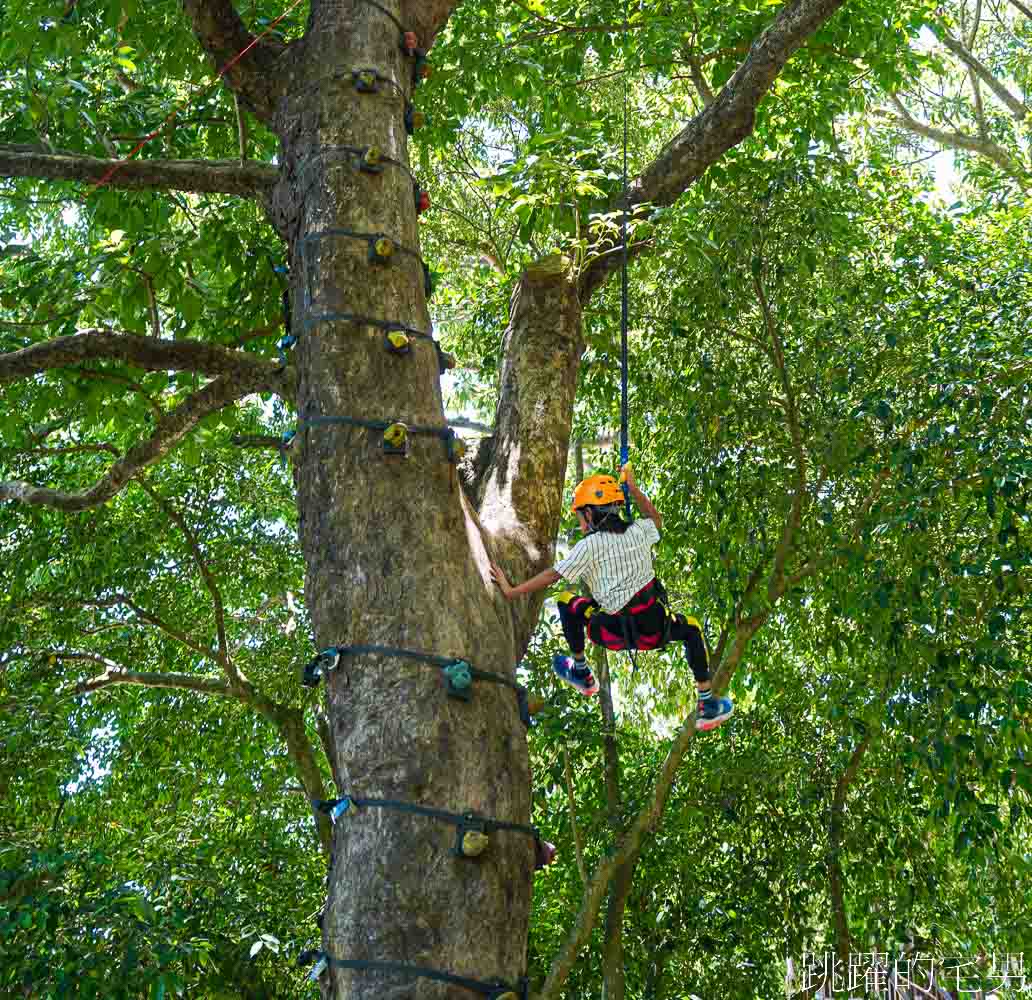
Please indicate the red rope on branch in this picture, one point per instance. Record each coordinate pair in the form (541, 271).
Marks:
(193, 98)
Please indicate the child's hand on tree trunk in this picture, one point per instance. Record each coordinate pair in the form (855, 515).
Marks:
(503, 583)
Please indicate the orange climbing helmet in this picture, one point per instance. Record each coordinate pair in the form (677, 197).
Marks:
(597, 491)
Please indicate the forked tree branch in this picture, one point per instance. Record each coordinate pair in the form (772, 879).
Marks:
(960, 140)
(1017, 107)
(114, 674)
(257, 76)
(722, 124)
(249, 180)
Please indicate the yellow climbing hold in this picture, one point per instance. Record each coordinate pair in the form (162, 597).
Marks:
(395, 438)
(474, 843)
(398, 340)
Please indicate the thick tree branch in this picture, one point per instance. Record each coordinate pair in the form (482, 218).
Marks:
(249, 180)
(518, 492)
(722, 124)
(1016, 106)
(169, 432)
(147, 353)
(257, 76)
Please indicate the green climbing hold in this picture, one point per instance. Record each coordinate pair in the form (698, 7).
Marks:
(459, 678)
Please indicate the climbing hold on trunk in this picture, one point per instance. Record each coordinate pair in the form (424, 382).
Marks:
(474, 843)
(413, 119)
(398, 342)
(381, 250)
(459, 679)
(372, 161)
(544, 853)
(395, 440)
(366, 81)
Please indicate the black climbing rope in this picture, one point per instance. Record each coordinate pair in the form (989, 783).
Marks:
(624, 436)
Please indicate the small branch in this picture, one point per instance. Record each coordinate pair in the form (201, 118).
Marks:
(115, 673)
(241, 117)
(1018, 5)
(571, 798)
(836, 880)
(699, 81)
(196, 176)
(961, 140)
(152, 305)
(206, 575)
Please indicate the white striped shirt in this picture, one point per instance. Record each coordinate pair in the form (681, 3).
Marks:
(615, 567)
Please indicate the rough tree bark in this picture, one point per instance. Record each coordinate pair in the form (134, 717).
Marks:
(395, 553)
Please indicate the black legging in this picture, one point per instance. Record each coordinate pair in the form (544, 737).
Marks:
(582, 615)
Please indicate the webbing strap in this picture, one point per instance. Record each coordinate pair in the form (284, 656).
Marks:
(469, 819)
(431, 658)
(352, 234)
(445, 433)
(353, 151)
(495, 989)
(381, 324)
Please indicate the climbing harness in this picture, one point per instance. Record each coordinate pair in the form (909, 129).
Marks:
(471, 830)
(495, 990)
(458, 674)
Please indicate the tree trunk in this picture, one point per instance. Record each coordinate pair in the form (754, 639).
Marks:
(394, 551)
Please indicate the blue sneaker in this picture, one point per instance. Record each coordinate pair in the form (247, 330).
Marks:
(712, 712)
(563, 668)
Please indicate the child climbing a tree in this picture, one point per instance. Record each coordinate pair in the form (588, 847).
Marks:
(626, 608)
